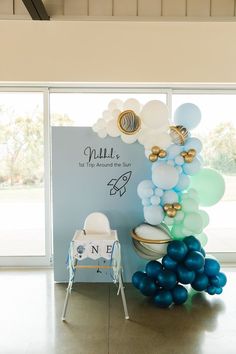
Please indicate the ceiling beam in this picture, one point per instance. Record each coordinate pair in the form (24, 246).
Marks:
(36, 10)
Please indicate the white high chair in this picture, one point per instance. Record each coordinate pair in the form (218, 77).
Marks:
(96, 240)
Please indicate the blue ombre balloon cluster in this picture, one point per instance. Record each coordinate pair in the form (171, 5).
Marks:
(185, 263)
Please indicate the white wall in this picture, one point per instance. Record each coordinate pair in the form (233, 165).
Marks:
(91, 51)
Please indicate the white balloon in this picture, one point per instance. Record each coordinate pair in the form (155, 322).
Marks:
(115, 113)
(115, 104)
(165, 176)
(155, 138)
(102, 133)
(155, 115)
(145, 189)
(205, 217)
(169, 221)
(129, 139)
(106, 115)
(155, 200)
(133, 104)
(112, 128)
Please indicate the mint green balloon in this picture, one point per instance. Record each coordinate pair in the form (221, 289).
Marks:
(193, 222)
(177, 232)
(210, 186)
(202, 238)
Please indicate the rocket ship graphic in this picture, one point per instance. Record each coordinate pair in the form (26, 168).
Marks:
(118, 185)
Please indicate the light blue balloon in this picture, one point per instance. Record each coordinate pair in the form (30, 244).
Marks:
(145, 189)
(155, 200)
(146, 201)
(184, 182)
(192, 168)
(188, 115)
(159, 192)
(153, 214)
(193, 143)
(173, 151)
(169, 197)
(179, 160)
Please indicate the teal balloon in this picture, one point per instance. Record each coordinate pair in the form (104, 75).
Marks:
(215, 281)
(153, 268)
(210, 186)
(169, 263)
(167, 279)
(211, 290)
(137, 277)
(184, 275)
(219, 291)
(194, 260)
(200, 282)
(192, 243)
(211, 267)
(163, 298)
(223, 279)
(179, 294)
(148, 286)
(188, 115)
(177, 250)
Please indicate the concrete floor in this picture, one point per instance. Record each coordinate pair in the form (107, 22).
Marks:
(30, 322)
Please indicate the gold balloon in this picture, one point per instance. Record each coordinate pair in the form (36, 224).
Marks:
(153, 157)
(192, 152)
(156, 150)
(177, 206)
(167, 206)
(184, 153)
(171, 212)
(188, 158)
(162, 154)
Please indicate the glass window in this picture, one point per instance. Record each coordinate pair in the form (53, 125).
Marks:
(22, 227)
(217, 131)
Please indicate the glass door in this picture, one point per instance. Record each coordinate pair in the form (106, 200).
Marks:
(22, 177)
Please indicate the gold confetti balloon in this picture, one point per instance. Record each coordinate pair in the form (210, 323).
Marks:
(156, 150)
(171, 212)
(153, 157)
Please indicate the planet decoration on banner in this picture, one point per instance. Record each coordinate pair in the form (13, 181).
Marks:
(184, 264)
(171, 198)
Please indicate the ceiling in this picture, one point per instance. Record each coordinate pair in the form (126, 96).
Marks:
(197, 10)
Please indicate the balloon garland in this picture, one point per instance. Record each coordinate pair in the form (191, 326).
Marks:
(171, 199)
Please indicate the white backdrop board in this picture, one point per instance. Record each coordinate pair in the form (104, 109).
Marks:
(92, 174)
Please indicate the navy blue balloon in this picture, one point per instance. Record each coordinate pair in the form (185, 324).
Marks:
(200, 282)
(194, 260)
(163, 298)
(179, 294)
(148, 286)
(211, 267)
(169, 263)
(215, 281)
(184, 275)
(211, 290)
(203, 252)
(192, 243)
(222, 278)
(177, 250)
(167, 279)
(219, 290)
(153, 268)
